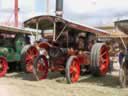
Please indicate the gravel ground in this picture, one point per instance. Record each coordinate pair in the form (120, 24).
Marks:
(21, 84)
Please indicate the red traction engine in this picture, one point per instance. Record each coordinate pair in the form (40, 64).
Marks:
(73, 49)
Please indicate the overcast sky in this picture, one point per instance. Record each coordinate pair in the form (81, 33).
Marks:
(90, 12)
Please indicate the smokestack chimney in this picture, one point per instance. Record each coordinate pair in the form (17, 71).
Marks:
(59, 8)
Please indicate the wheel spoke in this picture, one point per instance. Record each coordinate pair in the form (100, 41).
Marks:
(41, 68)
(102, 54)
(29, 62)
(74, 76)
(99, 59)
(102, 67)
(103, 60)
(71, 70)
(28, 57)
(31, 53)
(74, 71)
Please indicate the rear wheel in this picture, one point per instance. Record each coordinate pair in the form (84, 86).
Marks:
(3, 66)
(99, 59)
(28, 54)
(123, 73)
(72, 69)
(40, 69)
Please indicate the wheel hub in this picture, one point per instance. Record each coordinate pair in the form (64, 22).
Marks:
(40, 68)
(74, 69)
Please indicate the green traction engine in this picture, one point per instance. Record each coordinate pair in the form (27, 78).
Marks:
(11, 43)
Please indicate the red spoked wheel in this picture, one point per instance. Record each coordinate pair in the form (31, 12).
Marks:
(28, 54)
(103, 60)
(40, 69)
(72, 69)
(99, 59)
(3, 66)
(31, 54)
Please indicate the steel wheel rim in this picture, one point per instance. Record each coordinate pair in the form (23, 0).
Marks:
(104, 60)
(3, 66)
(42, 68)
(74, 70)
(123, 76)
(30, 55)
(2, 63)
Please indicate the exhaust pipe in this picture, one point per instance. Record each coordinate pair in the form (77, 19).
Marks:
(59, 8)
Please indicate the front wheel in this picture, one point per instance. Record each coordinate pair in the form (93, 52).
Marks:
(40, 67)
(28, 54)
(72, 69)
(3, 66)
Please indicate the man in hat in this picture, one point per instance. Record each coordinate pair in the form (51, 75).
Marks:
(43, 39)
(80, 43)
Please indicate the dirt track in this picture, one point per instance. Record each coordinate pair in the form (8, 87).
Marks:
(20, 84)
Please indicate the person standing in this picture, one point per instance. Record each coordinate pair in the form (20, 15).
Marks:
(43, 39)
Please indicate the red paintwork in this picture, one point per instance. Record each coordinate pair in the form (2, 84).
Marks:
(56, 68)
(104, 60)
(44, 45)
(4, 66)
(75, 70)
(30, 55)
(84, 58)
(58, 64)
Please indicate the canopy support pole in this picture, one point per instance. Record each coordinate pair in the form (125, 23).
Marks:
(54, 32)
(122, 40)
(37, 26)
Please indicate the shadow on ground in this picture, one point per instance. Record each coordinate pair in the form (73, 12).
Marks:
(21, 75)
(31, 77)
(108, 80)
